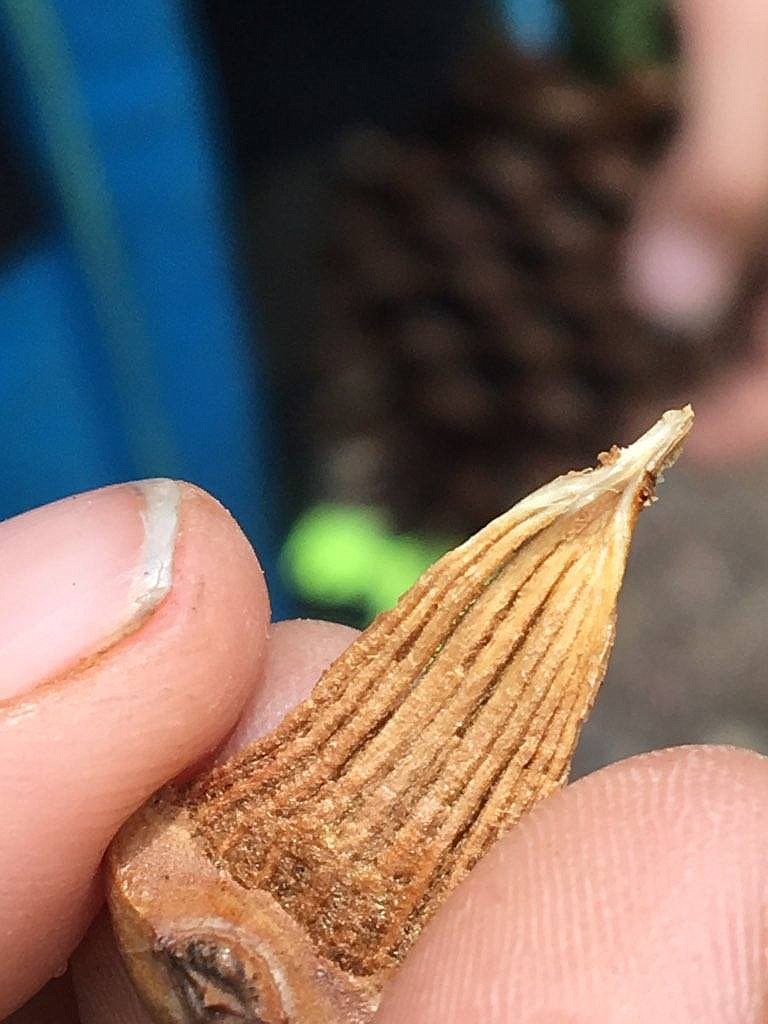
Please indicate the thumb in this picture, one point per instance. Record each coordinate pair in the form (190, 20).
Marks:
(706, 209)
(132, 621)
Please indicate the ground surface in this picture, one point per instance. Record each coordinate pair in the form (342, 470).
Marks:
(690, 663)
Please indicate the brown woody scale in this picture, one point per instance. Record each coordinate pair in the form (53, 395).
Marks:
(474, 336)
(284, 886)
(360, 843)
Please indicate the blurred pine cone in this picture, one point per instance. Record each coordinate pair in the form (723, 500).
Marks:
(475, 339)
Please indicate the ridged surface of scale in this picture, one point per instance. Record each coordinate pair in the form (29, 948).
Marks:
(285, 885)
(450, 717)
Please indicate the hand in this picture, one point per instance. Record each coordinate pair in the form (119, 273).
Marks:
(707, 211)
(638, 894)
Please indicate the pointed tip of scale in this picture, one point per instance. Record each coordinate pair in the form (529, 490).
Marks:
(634, 470)
(659, 447)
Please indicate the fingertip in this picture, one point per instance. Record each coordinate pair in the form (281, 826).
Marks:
(688, 246)
(298, 651)
(640, 887)
(211, 534)
(702, 221)
(81, 749)
(679, 274)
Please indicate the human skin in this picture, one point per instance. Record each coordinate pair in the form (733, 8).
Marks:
(637, 894)
(706, 213)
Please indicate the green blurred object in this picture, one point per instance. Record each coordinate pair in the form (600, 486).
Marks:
(404, 559)
(329, 552)
(339, 555)
(608, 37)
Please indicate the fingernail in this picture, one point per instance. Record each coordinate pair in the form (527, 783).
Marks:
(80, 573)
(681, 277)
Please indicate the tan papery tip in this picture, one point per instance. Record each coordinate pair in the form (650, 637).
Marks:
(660, 446)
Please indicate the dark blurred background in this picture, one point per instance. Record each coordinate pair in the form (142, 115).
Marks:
(355, 269)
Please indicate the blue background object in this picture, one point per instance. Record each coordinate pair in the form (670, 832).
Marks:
(537, 25)
(126, 350)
